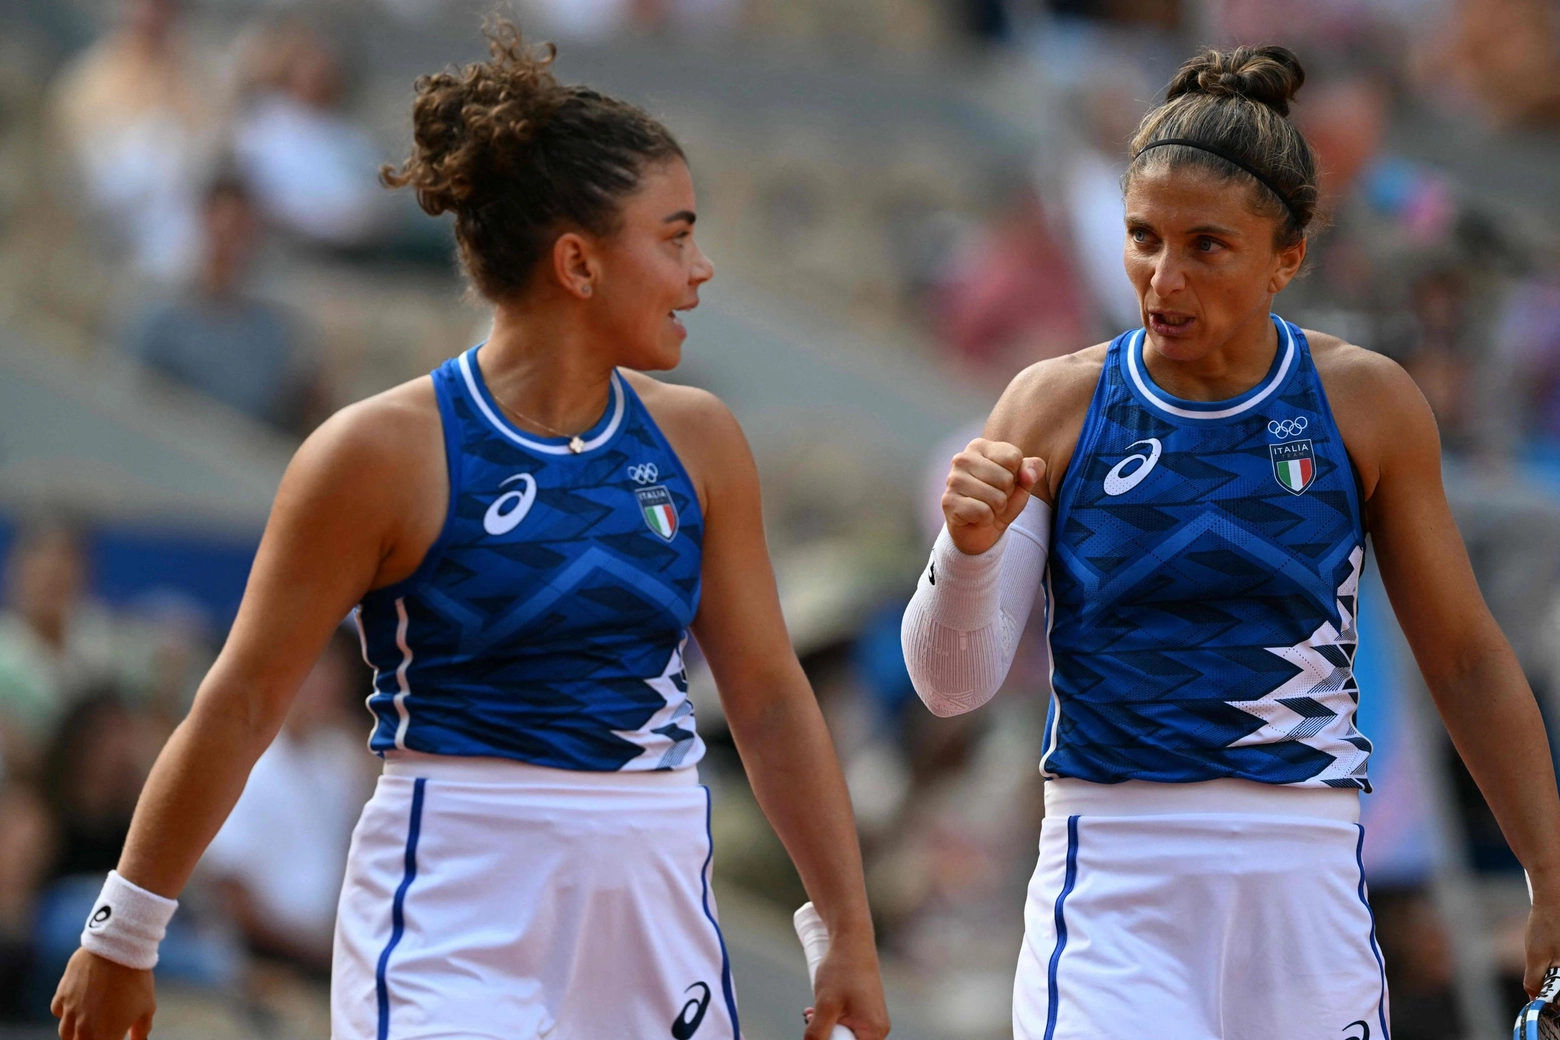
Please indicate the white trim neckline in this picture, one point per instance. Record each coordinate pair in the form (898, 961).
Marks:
(618, 407)
(1134, 346)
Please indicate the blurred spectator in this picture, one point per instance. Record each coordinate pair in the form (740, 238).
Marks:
(1345, 120)
(1503, 55)
(26, 848)
(312, 168)
(1418, 953)
(217, 338)
(279, 858)
(1106, 114)
(1010, 297)
(137, 119)
(1529, 336)
(1410, 268)
(1316, 26)
(92, 775)
(53, 641)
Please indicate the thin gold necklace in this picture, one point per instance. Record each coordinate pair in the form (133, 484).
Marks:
(576, 444)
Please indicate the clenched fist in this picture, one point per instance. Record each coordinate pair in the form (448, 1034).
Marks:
(988, 486)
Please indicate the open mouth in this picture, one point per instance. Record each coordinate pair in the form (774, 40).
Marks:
(674, 315)
(1169, 323)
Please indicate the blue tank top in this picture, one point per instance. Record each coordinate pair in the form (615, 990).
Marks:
(547, 621)
(1205, 559)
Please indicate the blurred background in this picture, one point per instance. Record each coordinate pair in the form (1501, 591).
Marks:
(906, 202)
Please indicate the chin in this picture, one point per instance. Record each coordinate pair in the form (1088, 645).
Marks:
(662, 357)
(1177, 349)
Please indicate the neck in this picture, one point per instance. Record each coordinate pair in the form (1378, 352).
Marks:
(543, 362)
(1234, 365)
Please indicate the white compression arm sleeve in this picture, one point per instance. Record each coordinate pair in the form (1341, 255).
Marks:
(962, 625)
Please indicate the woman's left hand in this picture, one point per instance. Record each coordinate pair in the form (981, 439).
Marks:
(849, 992)
(1543, 937)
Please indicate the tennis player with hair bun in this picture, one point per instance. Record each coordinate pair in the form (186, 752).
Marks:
(527, 535)
(1195, 497)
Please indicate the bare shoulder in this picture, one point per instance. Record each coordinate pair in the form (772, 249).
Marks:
(384, 453)
(1045, 394)
(1358, 378)
(1043, 408)
(379, 464)
(383, 429)
(701, 430)
(1355, 369)
(682, 407)
(1377, 405)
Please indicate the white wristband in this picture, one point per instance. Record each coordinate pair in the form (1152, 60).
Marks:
(127, 923)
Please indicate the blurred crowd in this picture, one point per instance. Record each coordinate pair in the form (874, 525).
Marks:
(1424, 259)
(88, 695)
(200, 203)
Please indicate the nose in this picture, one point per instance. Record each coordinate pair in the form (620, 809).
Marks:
(703, 269)
(1168, 276)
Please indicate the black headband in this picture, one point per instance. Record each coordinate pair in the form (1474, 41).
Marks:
(1228, 157)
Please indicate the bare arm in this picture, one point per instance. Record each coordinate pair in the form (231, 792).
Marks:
(332, 529)
(317, 558)
(1473, 675)
(779, 730)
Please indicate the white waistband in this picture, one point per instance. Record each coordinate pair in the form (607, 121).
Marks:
(1070, 797)
(485, 770)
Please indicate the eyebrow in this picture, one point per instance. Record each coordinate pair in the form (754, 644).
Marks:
(683, 214)
(1201, 229)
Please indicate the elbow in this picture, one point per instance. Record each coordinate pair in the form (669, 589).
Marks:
(948, 677)
(946, 707)
(942, 697)
(243, 718)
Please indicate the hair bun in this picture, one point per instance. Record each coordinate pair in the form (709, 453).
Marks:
(472, 126)
(1270, 76)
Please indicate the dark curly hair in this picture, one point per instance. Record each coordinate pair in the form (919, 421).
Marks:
(1237, 102)
(519, 157)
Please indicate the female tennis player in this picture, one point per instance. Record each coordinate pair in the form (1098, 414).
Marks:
(527, 536)
(1203, 487)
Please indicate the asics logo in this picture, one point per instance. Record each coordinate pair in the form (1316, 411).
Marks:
(1288, 427)
(692, 1012)
(508, 509)
(1361, 1024)
(101, 917)
(1117, 483)
(644, 473)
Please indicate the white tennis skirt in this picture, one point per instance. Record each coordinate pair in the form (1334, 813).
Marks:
(1225, 910)
(493, 900)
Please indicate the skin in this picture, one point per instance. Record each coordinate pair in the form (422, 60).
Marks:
(1206, 267)
(366, 496)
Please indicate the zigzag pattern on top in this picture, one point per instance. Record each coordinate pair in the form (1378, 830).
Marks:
(1203, 618)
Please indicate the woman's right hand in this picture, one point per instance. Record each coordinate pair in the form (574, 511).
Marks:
(98, 999)
(988, 486)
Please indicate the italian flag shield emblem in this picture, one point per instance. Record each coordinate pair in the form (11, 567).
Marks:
(660, 514)
(1294, 465)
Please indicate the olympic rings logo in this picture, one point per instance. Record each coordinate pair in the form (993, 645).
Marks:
(645, 473)
(1288, 427)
